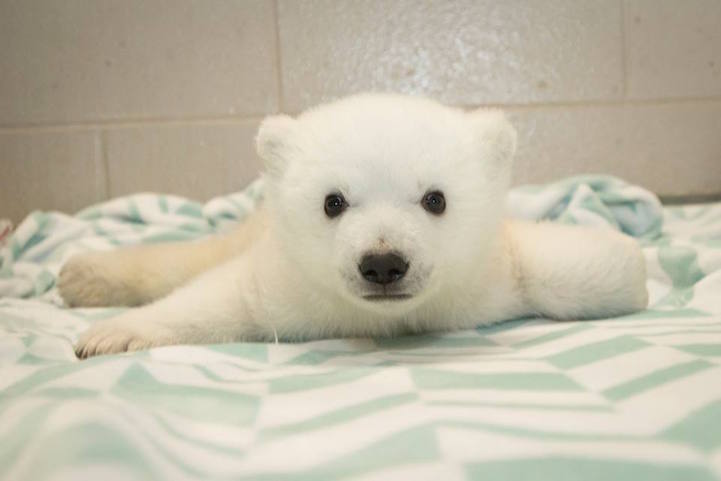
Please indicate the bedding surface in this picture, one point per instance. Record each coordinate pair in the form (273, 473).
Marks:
(636, 397)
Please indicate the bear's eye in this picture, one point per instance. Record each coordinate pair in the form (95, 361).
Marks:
(334, 205)
(434, 202)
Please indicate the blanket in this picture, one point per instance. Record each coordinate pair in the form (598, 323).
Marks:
(636, 397)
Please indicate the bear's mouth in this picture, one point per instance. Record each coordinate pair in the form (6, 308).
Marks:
(386, 297)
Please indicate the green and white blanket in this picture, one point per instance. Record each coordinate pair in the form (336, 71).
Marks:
(637, 397)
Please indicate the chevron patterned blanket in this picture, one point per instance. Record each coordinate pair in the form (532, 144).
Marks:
(631, 398)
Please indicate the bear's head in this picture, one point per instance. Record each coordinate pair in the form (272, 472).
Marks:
(386, 199)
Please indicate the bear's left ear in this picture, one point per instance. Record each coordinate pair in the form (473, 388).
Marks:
(274, 142)
(496, 136)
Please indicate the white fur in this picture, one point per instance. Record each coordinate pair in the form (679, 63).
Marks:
(292, 272)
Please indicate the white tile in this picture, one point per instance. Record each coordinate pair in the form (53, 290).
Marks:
(673, 149)
(463, 52)
(77, 60)
(194, 160)
(49, 171)
(673, 48)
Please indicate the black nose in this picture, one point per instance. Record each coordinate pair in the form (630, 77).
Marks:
(383, 268)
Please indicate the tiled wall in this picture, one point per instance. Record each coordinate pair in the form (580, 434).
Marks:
(99, 98)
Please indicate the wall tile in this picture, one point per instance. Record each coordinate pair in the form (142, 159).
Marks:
(49, 171)
(194, 160)
(673, 149)
(674, 48)
(78, 60)
(467, 52)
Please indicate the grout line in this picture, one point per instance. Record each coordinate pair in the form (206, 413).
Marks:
(106, 161)
(101, 175)
(278, 58)
(599, 103)
(226, 119)
(127, 123)
(624, 52)
(689, 199)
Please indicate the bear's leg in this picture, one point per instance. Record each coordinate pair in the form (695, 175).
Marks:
(573, 272)
(213, 308)
(134, 276)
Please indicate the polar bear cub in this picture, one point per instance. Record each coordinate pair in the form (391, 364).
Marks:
(382, 215)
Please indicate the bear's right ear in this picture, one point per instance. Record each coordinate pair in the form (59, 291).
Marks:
(274, 140)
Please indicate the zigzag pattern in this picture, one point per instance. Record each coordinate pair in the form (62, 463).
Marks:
(631, 398)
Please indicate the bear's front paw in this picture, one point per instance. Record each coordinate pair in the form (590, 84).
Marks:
(116, 335)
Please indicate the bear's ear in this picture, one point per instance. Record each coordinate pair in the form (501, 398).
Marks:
(274, 142)
(497, 138)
